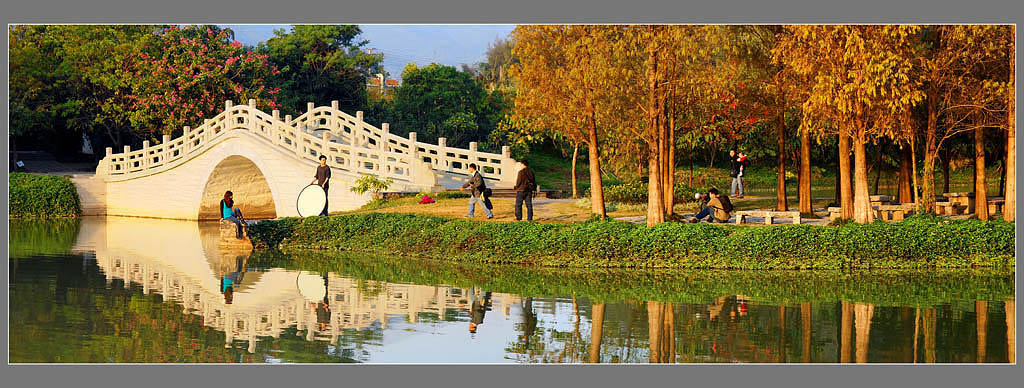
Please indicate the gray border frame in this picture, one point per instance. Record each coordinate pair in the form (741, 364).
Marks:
(519, 11)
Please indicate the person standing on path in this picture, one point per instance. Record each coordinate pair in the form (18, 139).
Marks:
(739, 164)
(526, 185)
(476, 186)
(321, 178)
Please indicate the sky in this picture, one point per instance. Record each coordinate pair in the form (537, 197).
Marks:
(423, 44)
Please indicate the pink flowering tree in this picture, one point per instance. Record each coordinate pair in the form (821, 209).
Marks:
(183, 75)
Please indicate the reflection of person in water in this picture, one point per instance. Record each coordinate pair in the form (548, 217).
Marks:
(479, 308)
(529, 324)
(231, 280)
(323, 309)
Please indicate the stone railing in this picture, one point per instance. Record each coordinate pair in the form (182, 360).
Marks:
(351, 145)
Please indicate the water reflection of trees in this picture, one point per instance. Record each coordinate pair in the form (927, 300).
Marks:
(845, 332)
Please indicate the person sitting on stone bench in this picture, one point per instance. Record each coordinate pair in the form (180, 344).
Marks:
(718, 208)
(231, 213)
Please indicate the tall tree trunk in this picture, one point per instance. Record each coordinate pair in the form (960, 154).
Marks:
(845, 189)
(863, 313)
(780, 180)
(670, 170)
(575, 152)
(806, 199)
(981, 314)
(930, 152)
(805, 329)
(655, 200)
(656, 146)
(913, 169)
(714, 150)
(1011, 330)
(947, 168)
(903, 186)
(1002, 176)
(980, 193)
(846, 328)
(596, 188)
(1009, 207)
(878, 167)
(596, 325)
(690, 179)
(862, 211)
(839, 183)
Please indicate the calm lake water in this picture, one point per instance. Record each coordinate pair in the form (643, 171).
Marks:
(139, 290)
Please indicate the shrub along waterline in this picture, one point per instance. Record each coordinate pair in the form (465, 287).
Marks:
(918, 242)
(882, 287)
(34, 195)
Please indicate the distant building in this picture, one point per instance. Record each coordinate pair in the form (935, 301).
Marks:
(380, 85)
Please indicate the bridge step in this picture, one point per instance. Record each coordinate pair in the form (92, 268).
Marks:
(92, 192)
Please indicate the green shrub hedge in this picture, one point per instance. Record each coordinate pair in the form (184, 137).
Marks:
(636, 192)
(917, 242)
(34, 195)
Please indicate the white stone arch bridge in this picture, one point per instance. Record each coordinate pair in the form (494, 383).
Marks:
(266, 160)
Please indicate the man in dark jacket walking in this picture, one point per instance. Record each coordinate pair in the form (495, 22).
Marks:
(526, 184)
(477, 187)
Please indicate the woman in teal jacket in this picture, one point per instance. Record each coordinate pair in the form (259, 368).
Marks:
(231, 213)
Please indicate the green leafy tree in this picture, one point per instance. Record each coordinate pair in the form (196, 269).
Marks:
(96, 75)
(434, 98)
(32, 79)
(321, 63)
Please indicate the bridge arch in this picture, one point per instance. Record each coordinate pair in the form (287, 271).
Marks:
(246, 181)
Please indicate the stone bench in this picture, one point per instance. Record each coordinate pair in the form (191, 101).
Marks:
(996, 205)
(882, 212)
(768, 215)
(834, 212)
(894, 212)
(228, 240)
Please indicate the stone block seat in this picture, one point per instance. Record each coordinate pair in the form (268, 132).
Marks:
(767, 215)
(894, 212)
(995, 205)
(228, 239)
(885, 212)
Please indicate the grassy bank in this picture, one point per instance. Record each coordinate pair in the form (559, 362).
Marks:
(918, 242)
(42, 196)
(882, 287)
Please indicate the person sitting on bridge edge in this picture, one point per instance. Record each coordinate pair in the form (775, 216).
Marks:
(321, 178)
(526, 186)
(477, 187)
(231, 213)
(718, 208)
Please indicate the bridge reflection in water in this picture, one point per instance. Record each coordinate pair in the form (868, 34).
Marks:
(274, 309)
(186, 265)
